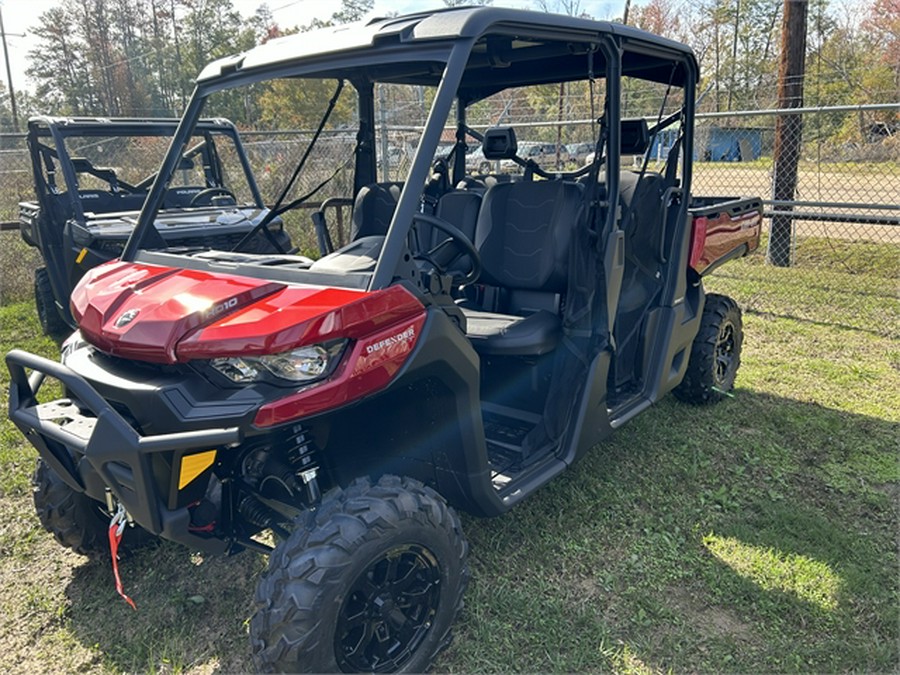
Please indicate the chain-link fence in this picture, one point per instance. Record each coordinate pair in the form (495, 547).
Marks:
(833, 239)
(836, 241)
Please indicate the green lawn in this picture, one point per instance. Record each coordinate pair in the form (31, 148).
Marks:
(758, 535)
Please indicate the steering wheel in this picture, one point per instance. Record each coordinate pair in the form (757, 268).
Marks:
(459, 247)
(208, 194)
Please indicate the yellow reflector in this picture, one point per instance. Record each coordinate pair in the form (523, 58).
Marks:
(193, 465)
(81, 255)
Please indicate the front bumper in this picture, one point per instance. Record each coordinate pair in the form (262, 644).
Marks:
(82, 436)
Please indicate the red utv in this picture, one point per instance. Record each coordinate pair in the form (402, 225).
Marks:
(475, 337)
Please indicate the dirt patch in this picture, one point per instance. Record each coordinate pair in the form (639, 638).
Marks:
(814, 186)
(710, 621)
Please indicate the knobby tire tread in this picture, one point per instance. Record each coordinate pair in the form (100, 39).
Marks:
(74, 519)
(287, 624)
(697, 385)
(48, 315)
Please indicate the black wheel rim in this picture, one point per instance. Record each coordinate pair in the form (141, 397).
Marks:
(725, 346)
(388, 611)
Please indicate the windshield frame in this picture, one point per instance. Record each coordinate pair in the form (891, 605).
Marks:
(327, 66)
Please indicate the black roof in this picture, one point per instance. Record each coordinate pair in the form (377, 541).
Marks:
(523, 48)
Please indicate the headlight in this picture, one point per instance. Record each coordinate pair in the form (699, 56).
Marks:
(304, 364)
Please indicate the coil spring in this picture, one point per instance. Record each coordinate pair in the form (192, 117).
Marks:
(300, 450)
(301, 456)
(254, 512)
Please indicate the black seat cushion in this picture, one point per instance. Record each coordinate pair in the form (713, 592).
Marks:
(459, 208)
(506, 335)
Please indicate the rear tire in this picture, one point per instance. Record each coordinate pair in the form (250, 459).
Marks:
(372, 581)
(51, 322)
(715, 353)
(76, 521)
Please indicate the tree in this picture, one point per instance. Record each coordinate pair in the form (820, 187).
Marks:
(6, 121)
(352, 10)
(58, 64)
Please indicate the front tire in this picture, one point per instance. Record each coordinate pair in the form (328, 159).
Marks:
(371, 583)
(49, 317)
(715, 353)
(76, 521)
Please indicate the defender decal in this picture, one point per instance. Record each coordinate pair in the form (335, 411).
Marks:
(409, 335)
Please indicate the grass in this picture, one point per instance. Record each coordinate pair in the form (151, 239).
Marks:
(837, 282)
(758, 535)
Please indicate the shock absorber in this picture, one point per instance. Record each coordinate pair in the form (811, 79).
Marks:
(300, 454)
(253, 511)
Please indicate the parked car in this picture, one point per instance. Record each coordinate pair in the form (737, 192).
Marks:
(476, 162)
(459, 353)
(543, 154)
(578, 152)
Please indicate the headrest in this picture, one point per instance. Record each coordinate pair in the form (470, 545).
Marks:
(634, 137)
(499, 143)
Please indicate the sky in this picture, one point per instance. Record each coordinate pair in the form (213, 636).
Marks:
(20, 15)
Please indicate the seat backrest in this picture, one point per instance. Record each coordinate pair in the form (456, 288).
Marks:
(523, 234)
(374, 208)
(459, 208)
(641, 204)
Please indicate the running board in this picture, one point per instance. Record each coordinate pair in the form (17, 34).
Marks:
(625, 411)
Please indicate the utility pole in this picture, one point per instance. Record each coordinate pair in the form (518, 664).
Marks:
(734, 49)
(178, 82)
(12, 92)
(788, 128)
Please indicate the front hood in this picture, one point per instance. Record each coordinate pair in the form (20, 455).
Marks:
(171, 315)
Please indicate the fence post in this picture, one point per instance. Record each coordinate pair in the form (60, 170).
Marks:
(788, 128)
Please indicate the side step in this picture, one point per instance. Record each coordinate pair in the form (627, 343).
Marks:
(505, 430)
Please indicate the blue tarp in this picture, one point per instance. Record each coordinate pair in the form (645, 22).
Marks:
(714, 145)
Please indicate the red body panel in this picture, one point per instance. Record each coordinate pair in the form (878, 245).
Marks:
(713, 238)
(180, 315)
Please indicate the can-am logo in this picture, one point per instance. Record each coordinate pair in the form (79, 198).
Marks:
(406, 336)
(126, 317)
(221, 307)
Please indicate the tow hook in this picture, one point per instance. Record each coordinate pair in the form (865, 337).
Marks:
(117, 523)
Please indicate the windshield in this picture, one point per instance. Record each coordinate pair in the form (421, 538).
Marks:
(302, 147)
(98, 162)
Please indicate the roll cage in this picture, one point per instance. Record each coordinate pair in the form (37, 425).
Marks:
(467, 55)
